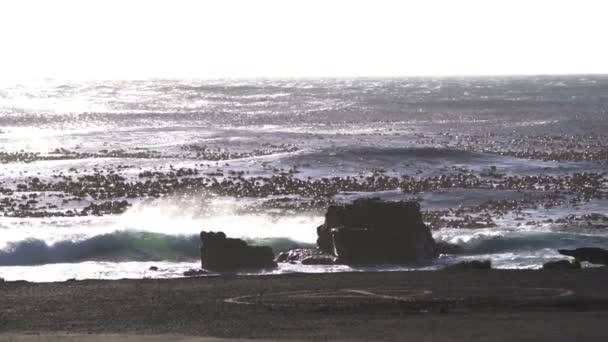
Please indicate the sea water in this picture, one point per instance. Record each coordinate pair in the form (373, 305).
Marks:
(307, 129)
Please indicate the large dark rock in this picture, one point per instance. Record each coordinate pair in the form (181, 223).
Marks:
(219, 253)
(374, 231)
(593, 255)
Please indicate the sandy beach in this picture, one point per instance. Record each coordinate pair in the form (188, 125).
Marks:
(494, 305)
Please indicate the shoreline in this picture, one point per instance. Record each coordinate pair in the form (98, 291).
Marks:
(456, 305)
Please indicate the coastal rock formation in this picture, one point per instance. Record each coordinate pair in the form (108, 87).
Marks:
(219, 253)
(562, 265)
(593, 255)
(374, 231)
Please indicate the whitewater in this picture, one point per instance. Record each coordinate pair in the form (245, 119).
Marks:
(105, 179)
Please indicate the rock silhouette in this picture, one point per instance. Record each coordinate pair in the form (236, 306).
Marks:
(219, 253)
(371, 231)
(593, 255)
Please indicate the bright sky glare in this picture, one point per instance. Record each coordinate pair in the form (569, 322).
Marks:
(105, 39)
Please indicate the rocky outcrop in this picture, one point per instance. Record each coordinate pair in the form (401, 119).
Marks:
(593, 255)
(562, 265)
(374, 231)
(219, 253)
(470, 265)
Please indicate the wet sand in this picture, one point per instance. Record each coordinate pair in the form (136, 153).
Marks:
(490, 305)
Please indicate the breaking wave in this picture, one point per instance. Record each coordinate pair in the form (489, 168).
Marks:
(118, 246)
(525, 241)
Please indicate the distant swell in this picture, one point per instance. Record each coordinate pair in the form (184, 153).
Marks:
(117, 246)
(389, 154)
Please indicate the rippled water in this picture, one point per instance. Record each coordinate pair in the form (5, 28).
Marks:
(419, 127)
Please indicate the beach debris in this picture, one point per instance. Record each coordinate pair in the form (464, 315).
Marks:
(219, 253)
(374, 231)
(593, 255)
(470, 265)
(306, 256)
(562, 265)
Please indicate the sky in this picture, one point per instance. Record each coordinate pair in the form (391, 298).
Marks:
(133, 39)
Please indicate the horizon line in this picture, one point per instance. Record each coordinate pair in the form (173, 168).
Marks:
(446, 76)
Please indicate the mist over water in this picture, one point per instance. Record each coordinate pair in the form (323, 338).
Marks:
(306, 129)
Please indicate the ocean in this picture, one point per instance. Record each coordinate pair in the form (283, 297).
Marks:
(104, 179)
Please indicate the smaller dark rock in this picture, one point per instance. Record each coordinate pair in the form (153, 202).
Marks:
(471, 265)
(562, 265)
(153, 268)
(195, 272)
(219, 253)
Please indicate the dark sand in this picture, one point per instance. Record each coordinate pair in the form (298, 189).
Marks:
(423, 306)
